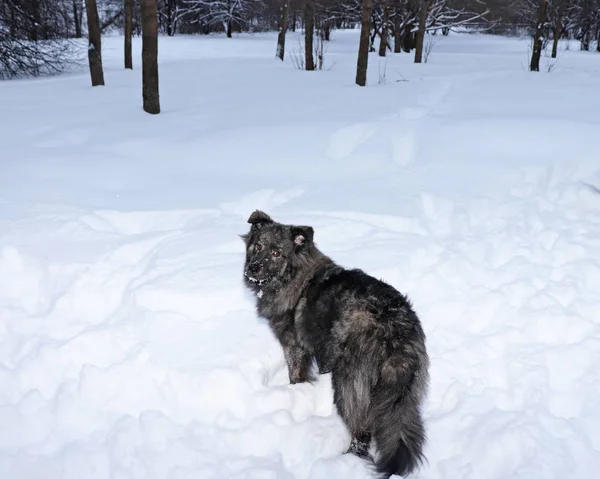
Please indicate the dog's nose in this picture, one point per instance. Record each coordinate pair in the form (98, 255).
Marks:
(254, 267)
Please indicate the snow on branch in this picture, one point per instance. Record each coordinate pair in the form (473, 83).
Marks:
(443, 15)
(219, 11)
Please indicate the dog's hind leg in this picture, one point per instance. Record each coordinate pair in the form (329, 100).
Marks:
(360, 445)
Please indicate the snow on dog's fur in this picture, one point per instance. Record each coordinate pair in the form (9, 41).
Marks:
(357, 327)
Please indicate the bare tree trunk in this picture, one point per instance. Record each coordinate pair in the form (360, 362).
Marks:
(397, 35)
(229, 28)
(77, 18)
(283, 24)
(537, 39)
(585, 41)
(374, 32)
(94, 43)
(363, 46)
(598, 40)
(557, 34)
(34, 13)
(128, 33)
(171, 17)
(408, 40)
(423, 12)
(385, 31)
(309, 32)
(150, 56)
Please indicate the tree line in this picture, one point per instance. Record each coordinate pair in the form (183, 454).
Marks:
(35, 34)
(50, 19)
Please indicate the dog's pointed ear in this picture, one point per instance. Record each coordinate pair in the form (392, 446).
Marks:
(302, 235)
(258, 219)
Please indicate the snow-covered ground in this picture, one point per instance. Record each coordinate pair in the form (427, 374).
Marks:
(128, 346)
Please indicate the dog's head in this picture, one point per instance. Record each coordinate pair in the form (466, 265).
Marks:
(274, 251)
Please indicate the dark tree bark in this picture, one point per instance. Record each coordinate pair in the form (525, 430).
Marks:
(309, 32)
(586, 23)
(150, 56)
(327, 31)
(229, 28)
(408, 41)
(397, 35)
(94, 43)
(534, 66)
(128, 33)
(423, 12)
(383, 44)
(585, 42)
(77, 18)
(374, 32)
(33, 8)
(171, 8)
(363, 46)
(283, 21)
(598, 40)
(557, 34)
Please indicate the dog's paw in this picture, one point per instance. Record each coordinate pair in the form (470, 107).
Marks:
(360, 448)
(360, 453)
(305, 377)
(298, 380)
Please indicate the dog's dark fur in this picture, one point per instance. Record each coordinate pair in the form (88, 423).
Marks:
(358, 328)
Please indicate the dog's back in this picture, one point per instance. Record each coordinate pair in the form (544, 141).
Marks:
(359, 328)
(366, 333)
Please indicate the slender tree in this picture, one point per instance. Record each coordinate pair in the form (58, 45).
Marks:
(94, 43)
(150, 56)
(538, 37)
(363, 46)
(283, 24)
(385, 30)
(585, 18)
(229, 21)
(309, 33)
(423, 12)
(78, 17)
(128, 33)
(169, 14)
(557, 34)
(397, 36)
(401, 27)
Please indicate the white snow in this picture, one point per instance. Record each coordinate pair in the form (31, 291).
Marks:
(130, 349)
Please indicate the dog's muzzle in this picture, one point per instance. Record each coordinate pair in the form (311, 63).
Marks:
(254, 268)
(253, 272)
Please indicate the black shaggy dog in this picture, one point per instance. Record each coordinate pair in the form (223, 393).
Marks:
(358, 328)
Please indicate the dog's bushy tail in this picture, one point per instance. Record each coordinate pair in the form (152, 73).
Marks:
(398, 427)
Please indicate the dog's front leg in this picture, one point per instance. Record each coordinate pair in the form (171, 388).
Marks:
(298, 360)
(297, 357)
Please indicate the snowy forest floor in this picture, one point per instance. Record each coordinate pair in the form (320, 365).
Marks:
(128, 346)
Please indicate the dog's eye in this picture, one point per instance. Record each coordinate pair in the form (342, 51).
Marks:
(276, 253)
(257, 247)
